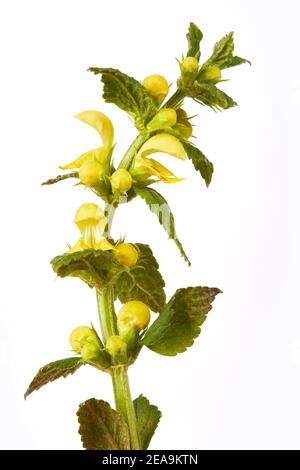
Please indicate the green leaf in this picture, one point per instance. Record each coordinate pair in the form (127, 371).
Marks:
(194, 37)
(159, 206)
(179, 323)
(54, 371)
(59, 178)
(200, 162)
(95, 267)
(101, 427)
(209, 95)
(148, 417)
(128, 94)
(142, 282)
(222, 55)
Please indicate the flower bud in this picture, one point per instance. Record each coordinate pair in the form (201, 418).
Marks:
(134, 315)
(183, 125)
(81, 336)
(117, 348)
(166, 117)
(90, 352)
(211, 74)
(126, 254)
(121, 180)
(90, 173)
(189, 69)
(157, 87)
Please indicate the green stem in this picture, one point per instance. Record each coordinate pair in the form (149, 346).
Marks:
(106, 312)
(175, 99)
(133, 149)
(124, 403)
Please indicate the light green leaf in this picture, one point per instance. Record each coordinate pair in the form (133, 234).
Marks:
(222, 55)
(194, 37)
(209, 95)
(128, 94)
(148, 417)
(54, 371)
(159, 206)
(200, 162)
(179, 323)
(142, 282)
(101, 427)
(95, 267)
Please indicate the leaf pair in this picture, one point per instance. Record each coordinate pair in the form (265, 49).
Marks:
(100, 269)
(102, 428)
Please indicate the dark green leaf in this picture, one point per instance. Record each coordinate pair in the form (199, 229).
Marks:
(194, 37)
(179, 323)
(59, 178)
(142, 282)
(200, 162)
(209, 95)
(53, 371)
(95, 267)
(222, 55)
(148, 417)
(101, 427)
(128, 94)
(159, 206)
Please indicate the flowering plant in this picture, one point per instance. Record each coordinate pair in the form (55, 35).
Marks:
(128, 271)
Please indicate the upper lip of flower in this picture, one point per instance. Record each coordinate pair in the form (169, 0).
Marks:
(104, 127)
(159, 143)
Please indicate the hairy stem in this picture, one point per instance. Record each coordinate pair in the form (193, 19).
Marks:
(133, 149)
(124, 403)
(108, 321)
(175, 100)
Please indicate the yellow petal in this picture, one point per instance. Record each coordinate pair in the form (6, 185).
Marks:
(154, 168)
(163, 143)
(101, 123)
(79, 246)
(98, 154)
(105, 245)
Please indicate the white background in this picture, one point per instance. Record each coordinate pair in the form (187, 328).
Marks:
(239, 386)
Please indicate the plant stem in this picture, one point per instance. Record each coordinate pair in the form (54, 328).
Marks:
(133, 149)
(124, 403)
(175, 99)
(106, 312)
(108, 322)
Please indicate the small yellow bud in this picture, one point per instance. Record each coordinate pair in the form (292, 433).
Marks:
(189, 65)
(189, 70)
(134, 314)
(90, 352)
(157, 87)
(211, 74)
(91, 222)
(126, 254)
(166, 117)
(82, 335)
(90, 173)
(183, 125)
(121, 180)
(117, 348)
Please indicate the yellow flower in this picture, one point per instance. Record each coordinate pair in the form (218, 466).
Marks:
(91, 221)
(145, 167)
(163, 143)
(83, 335)
(104, 127)
(134, 314)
